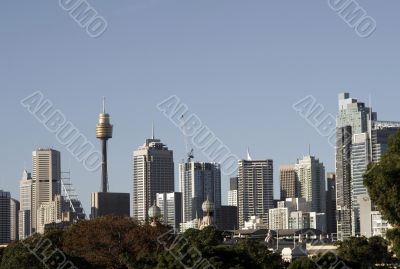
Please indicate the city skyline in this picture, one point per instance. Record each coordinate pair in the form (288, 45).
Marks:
(224, 183)
(249, 79)
(201, 134)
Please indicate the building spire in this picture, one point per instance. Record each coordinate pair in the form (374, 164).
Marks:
(248, 155)
(152, 130)
(104, 105)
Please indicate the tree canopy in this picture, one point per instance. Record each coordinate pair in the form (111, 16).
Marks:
(383, 182)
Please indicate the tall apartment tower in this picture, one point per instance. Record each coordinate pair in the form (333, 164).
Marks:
(5, 217)
(233, 192)
(153, 172)
(14, 209)
(197, 182)
(310, 173)
(331, 204)
(46, 176)
(255, 188)
(353, 119)
(26, 201)
(289, 184)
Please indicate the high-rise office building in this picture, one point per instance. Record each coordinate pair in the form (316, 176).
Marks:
(170, 205)
(255, 188)
(343, 182)
(25, 198)
(368, 141)
(233, 192)
(46, 176)
(331, 204)
(14, 209)
(5, 217)
(290, 187)
(153, 172)
(352, 119)
(360, 157)
(197, 182)
(310, 173)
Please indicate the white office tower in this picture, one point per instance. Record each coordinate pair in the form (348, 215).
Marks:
(46, 176)
(197, 182)
(255, 189)
(153, 172)
(25, 198)
(311, 176)
(170, 205)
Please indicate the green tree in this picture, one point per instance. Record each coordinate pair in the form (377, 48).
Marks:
(360, 252)
(207, 237)
(303, 263)
(113, 242)
(383, 182)
(17, 256)
(259, 252)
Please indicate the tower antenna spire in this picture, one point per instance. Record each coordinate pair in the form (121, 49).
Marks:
(104, 105)
(152, 130)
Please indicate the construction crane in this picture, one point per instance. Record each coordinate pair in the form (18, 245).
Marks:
(189, 149)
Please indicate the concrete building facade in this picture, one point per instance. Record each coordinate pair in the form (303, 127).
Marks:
(153, 172)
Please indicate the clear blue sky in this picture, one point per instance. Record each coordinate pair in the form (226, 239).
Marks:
(239, 65)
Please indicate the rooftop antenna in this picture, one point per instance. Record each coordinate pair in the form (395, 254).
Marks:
(104, 105)
(309, 149)
(152, 130)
